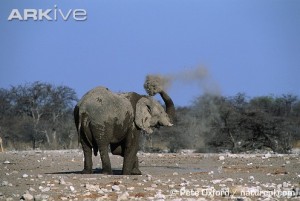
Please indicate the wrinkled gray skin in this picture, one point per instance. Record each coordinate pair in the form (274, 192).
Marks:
(105, 118)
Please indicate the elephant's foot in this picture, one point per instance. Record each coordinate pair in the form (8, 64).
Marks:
(108, 172)
(136, 171)
(85, 171)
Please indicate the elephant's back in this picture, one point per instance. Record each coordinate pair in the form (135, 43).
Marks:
(102, 104)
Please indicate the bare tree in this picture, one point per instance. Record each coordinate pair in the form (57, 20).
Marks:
(39, 109)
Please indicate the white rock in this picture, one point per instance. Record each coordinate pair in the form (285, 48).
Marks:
(228, 180)
(31, 189)
(25, 175)
(159, 197)
(72, 188)
(149, 189)
(251, 178)
(130, 188)
(221, 158)
(91, 187)
(149, 177)
(41, 197)
(123, 196)
(27, 196)
(115, 188)
(51, 185)
(6, 162)
(268, 155)
(4, 183)
(62, 181)
(216, 181)
(175, 173)
(46, 189)
(104, 190)
(87, 194)
(159, 181)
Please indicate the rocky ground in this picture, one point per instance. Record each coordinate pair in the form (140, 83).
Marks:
(55, 175)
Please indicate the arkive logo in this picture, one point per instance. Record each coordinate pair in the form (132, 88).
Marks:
(54, 14)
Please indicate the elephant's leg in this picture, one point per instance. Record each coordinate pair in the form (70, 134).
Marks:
(135, 170)
(106, 166)
(100, 136)
(117, 148)
(130, 158)
(87, 152)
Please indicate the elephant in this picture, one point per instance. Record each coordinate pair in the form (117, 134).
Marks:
(106, 119)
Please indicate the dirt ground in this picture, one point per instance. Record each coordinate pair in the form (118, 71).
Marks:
(55, 175)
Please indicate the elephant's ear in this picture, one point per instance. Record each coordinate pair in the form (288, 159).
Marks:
(142, 115)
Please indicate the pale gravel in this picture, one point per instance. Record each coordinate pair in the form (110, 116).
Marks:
(55, 175)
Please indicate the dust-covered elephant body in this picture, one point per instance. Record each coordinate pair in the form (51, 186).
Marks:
(104, 118)
(105, 110)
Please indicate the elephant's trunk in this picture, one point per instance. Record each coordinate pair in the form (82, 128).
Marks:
(170, 108)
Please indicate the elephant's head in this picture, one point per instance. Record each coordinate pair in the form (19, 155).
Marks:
(150, 114)
(156, 84)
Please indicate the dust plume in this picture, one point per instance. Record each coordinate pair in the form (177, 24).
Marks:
(200, 75)
(155, 84)
(196, 129)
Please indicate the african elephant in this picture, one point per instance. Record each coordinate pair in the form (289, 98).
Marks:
(105, 118)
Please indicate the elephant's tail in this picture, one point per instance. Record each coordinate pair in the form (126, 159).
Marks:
(82, 124)
(83, 128)
(85, 125)
(77, 121)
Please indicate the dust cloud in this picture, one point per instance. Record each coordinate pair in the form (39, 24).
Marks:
(195, 134)
(199, 76)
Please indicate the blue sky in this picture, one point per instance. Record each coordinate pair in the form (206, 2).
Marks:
(250, 46)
